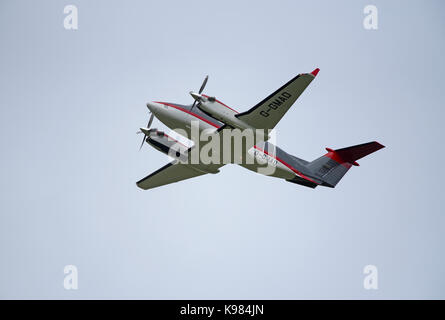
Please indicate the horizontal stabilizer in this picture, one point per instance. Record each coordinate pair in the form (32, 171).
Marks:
(352, 154)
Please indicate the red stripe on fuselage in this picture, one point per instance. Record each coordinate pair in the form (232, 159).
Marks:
(286, 164)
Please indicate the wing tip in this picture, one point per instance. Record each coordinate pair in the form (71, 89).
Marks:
(379, 145)
(140, 186)
(315, 72)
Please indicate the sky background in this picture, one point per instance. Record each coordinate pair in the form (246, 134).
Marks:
(71, 102)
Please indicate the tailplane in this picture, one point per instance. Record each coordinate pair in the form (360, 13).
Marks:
(332, 166)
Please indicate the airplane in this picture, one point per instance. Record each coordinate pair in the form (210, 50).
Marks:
(214, 116)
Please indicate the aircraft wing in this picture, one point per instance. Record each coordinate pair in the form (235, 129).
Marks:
(267, 113)
(175, 171)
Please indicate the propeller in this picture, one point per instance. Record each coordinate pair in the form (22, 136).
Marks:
(200, 90)
(148, 127)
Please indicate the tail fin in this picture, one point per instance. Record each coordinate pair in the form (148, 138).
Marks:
(332, 166)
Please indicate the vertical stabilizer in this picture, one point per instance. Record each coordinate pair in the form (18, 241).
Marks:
(332, 166)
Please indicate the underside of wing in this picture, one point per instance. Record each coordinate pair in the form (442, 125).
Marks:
(174, 172)
(267, 113)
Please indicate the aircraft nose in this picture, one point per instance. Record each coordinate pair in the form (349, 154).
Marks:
(154, 107)
(151, 106)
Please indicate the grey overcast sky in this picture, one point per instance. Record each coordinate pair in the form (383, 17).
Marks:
(72, 100)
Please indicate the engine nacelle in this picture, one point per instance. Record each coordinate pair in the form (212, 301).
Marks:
(225, 114)
(166, 144)
(220, 111)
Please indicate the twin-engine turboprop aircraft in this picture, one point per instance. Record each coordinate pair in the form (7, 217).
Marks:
(211, 115)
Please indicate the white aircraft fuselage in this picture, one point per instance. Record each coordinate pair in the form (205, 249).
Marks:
(180, 117)
(258, 154)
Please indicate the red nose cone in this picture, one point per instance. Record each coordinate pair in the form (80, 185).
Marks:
(315, 72)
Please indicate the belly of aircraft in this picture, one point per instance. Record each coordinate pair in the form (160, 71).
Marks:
(272, 172)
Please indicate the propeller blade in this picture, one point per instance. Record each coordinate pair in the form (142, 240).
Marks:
(203, 84)
(150, 121)
(200, 90)
(148, 127)
(142, 143)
